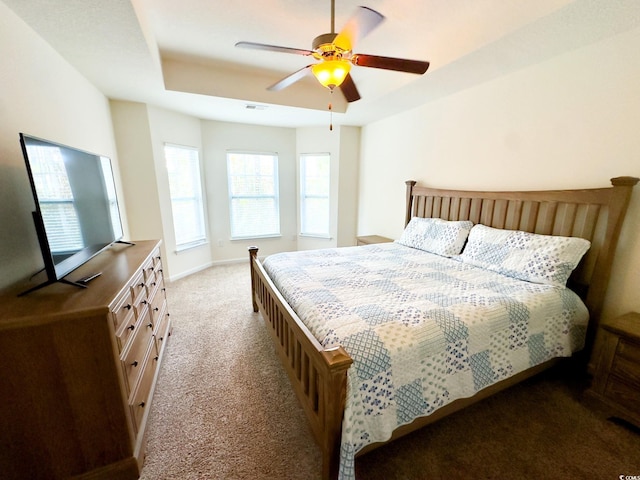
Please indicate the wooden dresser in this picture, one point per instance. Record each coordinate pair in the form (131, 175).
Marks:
(616, 381)
(78, 368)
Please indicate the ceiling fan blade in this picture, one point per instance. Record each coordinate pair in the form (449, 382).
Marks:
(357, 27)
(349, 89)
(290, 79)
(390, 63)
(273, 48)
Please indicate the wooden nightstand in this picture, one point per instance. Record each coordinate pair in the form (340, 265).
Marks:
(370, 239)
(616, 381)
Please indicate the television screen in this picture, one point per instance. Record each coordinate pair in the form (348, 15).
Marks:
(76, 212)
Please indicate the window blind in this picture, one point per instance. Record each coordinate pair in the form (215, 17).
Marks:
(253, 194)
(315, 184)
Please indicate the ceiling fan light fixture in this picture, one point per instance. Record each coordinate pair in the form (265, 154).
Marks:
(331, 73)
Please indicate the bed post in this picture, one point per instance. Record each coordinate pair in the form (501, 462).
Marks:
(407, 216)
(253, 253)
(335, 389)
(618, 203)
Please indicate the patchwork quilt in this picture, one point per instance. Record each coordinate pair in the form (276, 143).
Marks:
(423, 330)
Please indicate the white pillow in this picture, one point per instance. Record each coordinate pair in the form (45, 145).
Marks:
(442, 237)
(536, 258)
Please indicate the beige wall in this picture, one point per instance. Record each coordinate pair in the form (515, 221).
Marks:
(217, 139)
(347, 196)
(141, 132)
(570, 122)
(40, 94)
(343, 144)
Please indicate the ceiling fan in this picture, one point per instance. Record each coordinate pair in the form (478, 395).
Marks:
(335, 54)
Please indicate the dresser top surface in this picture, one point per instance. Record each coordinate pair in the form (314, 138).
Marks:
(627, 325)
(117, 264)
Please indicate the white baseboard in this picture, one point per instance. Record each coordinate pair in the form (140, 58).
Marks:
(199, 268)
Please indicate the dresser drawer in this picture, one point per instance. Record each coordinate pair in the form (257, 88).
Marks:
(127, 330)
(133, 357)
(627, 370)
(162, 329)
(138, 285)
(149, 271)
(139, 400)
(157, 303)
(123, 311)
(629, 350)
(625, 395)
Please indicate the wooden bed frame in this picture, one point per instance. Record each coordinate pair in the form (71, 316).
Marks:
(319, 375)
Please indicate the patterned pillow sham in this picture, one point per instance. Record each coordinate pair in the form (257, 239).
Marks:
(434, 235)
(527, 256)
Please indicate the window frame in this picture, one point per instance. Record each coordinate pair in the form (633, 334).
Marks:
(198, 198)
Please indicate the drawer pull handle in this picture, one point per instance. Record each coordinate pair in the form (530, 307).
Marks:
(141, 404)
(131, 327)
(150, 325)
(127, 306)
(141, 284)
(153, 284)
(144, 302)
(156, 309)
(135, 363)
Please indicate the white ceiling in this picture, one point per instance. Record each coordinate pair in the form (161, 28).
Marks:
(180, 54)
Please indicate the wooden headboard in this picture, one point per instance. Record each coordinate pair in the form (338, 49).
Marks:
(594, 214)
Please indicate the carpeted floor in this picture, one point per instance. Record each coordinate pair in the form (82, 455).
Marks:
(223, 409)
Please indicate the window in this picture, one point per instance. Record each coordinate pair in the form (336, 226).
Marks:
(253, 194)
(314, 194)
(185, 187)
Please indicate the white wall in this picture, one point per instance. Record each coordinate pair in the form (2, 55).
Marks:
(40, 94)
(178, 129)
(141, 133)
(570, 122)
(217, 139)
(343, 144)
(320, 140)
(348, 186)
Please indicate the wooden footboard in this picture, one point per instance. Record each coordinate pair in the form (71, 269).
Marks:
(318, 375)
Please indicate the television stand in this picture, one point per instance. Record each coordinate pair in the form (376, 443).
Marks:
(79, 368)
(50, 282)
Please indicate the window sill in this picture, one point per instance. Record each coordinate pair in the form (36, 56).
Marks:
(252, 237)
(188, 246)
(316, 235)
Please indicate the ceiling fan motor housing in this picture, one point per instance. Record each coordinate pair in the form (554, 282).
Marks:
(324, 47)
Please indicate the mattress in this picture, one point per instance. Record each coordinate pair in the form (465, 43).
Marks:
(423, 330)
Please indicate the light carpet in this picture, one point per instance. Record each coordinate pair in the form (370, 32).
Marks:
(224, 409)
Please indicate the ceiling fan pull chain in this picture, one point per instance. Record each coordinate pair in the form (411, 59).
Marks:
(330, 112)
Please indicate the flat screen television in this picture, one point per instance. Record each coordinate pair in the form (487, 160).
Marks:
(76, 215)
